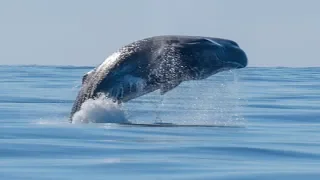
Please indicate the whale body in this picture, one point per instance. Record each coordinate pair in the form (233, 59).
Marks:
(158, 63)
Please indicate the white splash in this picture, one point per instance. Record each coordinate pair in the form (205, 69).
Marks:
(100, 110)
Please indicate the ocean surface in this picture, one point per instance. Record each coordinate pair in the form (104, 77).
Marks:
(253, 123)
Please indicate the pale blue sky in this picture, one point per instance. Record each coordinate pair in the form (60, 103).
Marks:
(77, 32)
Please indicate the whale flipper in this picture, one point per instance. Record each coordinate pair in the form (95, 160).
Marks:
(85, 76)
(164, 88)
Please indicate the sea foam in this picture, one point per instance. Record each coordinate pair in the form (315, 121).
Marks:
(100, 110)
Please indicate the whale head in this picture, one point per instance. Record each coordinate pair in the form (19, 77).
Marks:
(229, 53)
(213, 55)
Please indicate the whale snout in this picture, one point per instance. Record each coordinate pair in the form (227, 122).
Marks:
(235, 56)
(239, 57)
(230, 53)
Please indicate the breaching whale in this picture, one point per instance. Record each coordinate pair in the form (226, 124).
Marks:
(159, 62)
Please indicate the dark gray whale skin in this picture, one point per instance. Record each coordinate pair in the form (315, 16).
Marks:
(159, 62)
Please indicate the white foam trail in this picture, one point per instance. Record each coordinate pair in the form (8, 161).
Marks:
(56, 121)
(100, 110)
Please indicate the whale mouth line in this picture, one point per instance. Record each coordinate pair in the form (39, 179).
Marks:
(234, 64)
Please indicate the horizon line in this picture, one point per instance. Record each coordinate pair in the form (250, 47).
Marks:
(92, 66)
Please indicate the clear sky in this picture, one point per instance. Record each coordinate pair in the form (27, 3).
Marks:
(77, 32)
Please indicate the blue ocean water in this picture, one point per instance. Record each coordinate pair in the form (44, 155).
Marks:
(253, 123)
